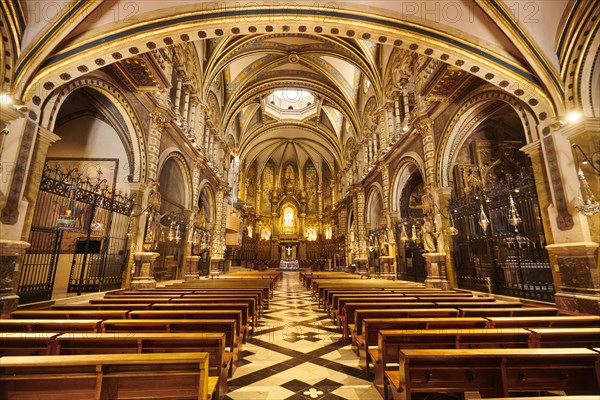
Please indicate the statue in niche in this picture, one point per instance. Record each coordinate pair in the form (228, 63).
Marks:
(289, 180)
(289, 221)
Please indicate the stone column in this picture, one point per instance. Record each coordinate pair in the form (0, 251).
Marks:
(201, 122)
(384, 126)
(11, 255)
(143, 277)
(177, 105)
(186, 103)
(206, 140)
(397, 111)
(192, 117)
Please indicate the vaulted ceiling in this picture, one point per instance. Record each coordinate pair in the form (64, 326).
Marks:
(291, 97)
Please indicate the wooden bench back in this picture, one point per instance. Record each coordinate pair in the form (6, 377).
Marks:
(70, 314)
(496, 372)
(228, 327)
(371, 326)
(565, 337)
(191, 315)
(101, 376)
(359, 315)
(50, 325)
(509, 312)
(544, 321)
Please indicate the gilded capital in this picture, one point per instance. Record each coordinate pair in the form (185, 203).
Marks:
(425, 127)
(159, 120)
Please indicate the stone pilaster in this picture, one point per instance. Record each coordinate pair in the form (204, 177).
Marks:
(159, 122)
(218, 241)
(11, 254)
(12, 212)
(572, 236)
(136, 234)
(45, 139)
(425, 130)
(360, 224)
(143, 277)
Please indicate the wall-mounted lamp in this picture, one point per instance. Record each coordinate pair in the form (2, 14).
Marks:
(484, 222)
(586, 201)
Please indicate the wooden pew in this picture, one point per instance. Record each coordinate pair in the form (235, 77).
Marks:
(126, 342)
(592, 397)
(27, 343)
(253, 306)
(196, 315)
(495, 372)
(228, 327)
(50, 325)
(360, 314)
(254, 298)
(74, 343)
(265, 285)
(103, 376)
(508, 312)
(336, 310)
(102, 306)
(70, 314)
(247, 322)
(349, 311)
(319, 287)
(390, 342)
(565, 337)
(565, 321)
(372, 326)
(479, 304)
(137, 299)
(261, 301)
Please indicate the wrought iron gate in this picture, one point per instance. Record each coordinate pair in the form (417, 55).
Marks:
(80, 216)
(39, 265)
(502, 258)
(409, 260)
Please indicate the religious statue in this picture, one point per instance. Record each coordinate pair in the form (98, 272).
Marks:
(427, 236)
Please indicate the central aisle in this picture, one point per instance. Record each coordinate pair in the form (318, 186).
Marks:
(296, 354)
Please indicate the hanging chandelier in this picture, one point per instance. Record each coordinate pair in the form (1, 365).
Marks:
(513, 214)
(586, 201)
(484, 222)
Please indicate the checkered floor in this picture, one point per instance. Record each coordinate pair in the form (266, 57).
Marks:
(296, 354)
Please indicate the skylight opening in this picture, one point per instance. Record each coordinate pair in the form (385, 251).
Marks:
(291, 95)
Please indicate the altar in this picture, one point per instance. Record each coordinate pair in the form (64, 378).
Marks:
(289, 265)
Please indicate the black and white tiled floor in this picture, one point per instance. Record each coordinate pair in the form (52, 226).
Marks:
(296, 354)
